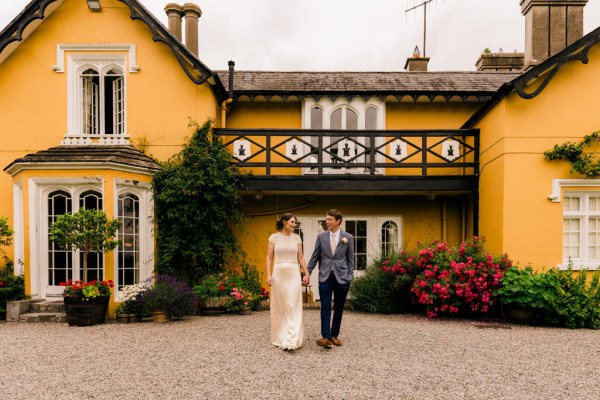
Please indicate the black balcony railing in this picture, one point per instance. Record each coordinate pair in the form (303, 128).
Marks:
(326, 152)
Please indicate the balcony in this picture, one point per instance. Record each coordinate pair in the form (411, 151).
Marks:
(333, 160)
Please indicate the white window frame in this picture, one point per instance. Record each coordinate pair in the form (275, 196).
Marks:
(39, 189)
(583, 215)
(102, 62)
(356, 104)
(146, 241)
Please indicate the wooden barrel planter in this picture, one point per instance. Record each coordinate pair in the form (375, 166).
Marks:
(213, 306)
(82, 312)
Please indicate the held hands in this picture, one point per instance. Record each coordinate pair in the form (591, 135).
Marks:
(305, 280)
(269, 281)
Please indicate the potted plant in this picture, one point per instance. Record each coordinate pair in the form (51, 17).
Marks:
(87, 231)
(213, 292)
(526, 296)
(168, 297)
(86, 303)
(132, 301)
(240, 301)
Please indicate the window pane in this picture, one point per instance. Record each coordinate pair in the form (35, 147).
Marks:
(316, 118)
(572, 204)
(129, 234)
(336, 119)
(60, 263)
(371, 119)
(358, 229)
(389, 238)
(571, 238)
(351, 120)
(90, 200)
(594, 238)
(594, 204)
(89, 99)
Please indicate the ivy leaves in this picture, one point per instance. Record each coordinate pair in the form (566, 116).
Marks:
(197, 208)
(584, 163)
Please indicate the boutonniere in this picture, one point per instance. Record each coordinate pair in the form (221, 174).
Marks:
(344, 240)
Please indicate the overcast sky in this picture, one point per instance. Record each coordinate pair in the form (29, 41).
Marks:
(348, 35)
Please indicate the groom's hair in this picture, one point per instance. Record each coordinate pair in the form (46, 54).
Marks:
(335, 214)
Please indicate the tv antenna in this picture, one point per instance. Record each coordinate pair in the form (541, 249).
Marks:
(424, 5)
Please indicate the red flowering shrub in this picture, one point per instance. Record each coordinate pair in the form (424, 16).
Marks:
(87, 290)
(217, 285)
(448, 280)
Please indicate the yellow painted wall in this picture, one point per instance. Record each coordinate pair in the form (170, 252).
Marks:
(517, 173)
(160, 101)
(407, 115)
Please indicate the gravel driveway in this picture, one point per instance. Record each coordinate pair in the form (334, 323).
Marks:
(230, 357)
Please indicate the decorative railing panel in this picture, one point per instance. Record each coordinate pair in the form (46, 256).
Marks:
(330, 152)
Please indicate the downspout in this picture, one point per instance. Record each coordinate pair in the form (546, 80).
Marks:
(225, 103)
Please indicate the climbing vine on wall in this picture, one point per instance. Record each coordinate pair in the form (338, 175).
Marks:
(584, 163)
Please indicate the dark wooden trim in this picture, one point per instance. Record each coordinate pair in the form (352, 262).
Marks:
(357, 184)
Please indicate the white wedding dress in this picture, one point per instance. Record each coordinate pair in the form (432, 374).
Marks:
(287, 326)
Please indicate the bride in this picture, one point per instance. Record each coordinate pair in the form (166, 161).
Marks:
(285, 254)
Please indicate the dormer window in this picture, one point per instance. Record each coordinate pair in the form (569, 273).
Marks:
(97, 90)
(102, 102)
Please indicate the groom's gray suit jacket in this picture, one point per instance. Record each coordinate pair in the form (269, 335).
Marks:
(342, 261)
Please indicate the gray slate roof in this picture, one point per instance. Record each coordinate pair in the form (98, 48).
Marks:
(126, 156)
(366, 82)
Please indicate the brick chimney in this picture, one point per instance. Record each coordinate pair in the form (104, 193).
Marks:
(192, 14)
(500, 61)
(174, 14)
(550, 26)
(416, 62)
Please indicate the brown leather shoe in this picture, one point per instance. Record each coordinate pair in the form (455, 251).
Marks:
(324, 342)
(336, 341)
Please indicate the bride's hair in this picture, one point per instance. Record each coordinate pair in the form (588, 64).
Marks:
(284, 218)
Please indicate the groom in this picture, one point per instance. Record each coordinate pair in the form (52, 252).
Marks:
(334, 251)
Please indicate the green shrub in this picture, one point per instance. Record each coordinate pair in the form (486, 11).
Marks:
(576, 303)
(375, 292)
(526, 288)
(11, 287)
(250, 279)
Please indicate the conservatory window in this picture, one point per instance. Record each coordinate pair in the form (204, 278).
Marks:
(129, 235)
(60, 261)
(91, 200)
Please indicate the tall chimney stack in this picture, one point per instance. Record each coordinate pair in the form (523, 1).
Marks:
(191, 13)
(550, 26)
(174, 14)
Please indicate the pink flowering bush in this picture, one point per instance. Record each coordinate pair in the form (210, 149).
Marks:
(447, 279)
(240, 299)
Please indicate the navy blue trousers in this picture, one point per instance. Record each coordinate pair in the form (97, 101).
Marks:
(331, 328)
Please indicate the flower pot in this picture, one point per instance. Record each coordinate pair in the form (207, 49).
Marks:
(213, 305)
(82, 312)
(519, 314)
(160, 317)
(245, 311)
(123, 318)
(134, 318)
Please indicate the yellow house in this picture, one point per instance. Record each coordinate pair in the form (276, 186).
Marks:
(406, 156)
